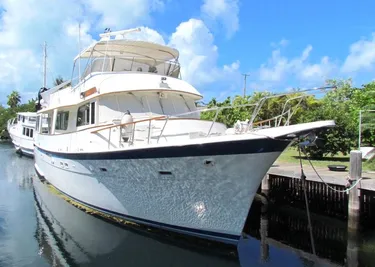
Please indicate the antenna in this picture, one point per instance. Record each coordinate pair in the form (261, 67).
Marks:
(108, 33)
(45, 65)
(79, 48)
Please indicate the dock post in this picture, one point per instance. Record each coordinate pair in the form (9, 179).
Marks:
(355, 173)
(352, 249)
(264, 249)
(266, 185)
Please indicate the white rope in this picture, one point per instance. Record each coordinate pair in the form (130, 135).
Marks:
(316, 172)
(330, 187)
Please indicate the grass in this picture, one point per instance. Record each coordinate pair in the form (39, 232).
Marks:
(290, 155)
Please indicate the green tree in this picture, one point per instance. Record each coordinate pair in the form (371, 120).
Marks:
(14, 99)
(342, 105)
(59, 80)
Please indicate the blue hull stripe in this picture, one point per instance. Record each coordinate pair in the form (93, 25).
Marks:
(208, 149)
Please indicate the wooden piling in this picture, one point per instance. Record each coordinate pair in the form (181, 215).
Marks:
(264, 249)
(352, 249)
(265, 185)
(354, 203)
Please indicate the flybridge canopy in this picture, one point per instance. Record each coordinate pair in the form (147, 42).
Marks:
(108, 47)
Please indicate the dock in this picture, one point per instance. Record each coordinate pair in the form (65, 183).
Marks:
(282, 185)
(330, 177)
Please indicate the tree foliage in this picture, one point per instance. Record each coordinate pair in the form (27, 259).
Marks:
(14, 103)
(14, 99)
(341, 105)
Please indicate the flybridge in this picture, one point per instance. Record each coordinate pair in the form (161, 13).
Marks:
(121, 47)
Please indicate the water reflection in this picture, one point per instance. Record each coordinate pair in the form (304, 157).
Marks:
(69, 237)
(39, 228)
(18, 169)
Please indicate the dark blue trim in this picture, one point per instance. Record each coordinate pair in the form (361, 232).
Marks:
(252, 146)
(227, 238)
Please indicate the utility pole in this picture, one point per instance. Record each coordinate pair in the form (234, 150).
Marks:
(45, 65)
(244, 89)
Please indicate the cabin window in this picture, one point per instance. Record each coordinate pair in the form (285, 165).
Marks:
(32, 119)
(62, 120)
(86, 114)
(28, 132)
(46, 123)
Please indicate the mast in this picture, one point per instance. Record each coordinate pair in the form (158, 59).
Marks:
(45, 65)
(79, 52)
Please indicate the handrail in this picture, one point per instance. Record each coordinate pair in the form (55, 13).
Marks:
(128, 123)
(262, 100)
(273, 118)
(250, 123)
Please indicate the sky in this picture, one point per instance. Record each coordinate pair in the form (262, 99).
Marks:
(279, 44)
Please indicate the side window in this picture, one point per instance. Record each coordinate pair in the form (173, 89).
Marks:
(62, 120)
(92, 118)
(86, 114)
(24, 131)
(46, 123)
(27, 132)
(31, 133)
(37, 123)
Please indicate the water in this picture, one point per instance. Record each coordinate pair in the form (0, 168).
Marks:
(39, 228)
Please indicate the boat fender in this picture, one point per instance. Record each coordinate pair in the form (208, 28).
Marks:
(240, 126)
(126, 130)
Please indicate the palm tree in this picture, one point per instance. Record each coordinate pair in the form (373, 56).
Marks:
(58, 80)
(14, 99)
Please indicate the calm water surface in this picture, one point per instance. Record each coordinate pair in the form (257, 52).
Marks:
(39, 228)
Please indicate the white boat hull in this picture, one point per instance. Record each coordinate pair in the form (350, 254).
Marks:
(23, 145)
(204, 190)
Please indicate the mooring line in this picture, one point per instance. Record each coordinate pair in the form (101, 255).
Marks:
(316, 172)
(330, 187)
(303, 179)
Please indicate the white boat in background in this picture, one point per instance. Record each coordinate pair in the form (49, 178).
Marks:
(126, 138)
(21, 130)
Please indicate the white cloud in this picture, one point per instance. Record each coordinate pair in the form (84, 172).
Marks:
(123, 13)
(199, 54)
(361, 56)
(25, 25)
(280, 68)
(282, 43)
(224, 11)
